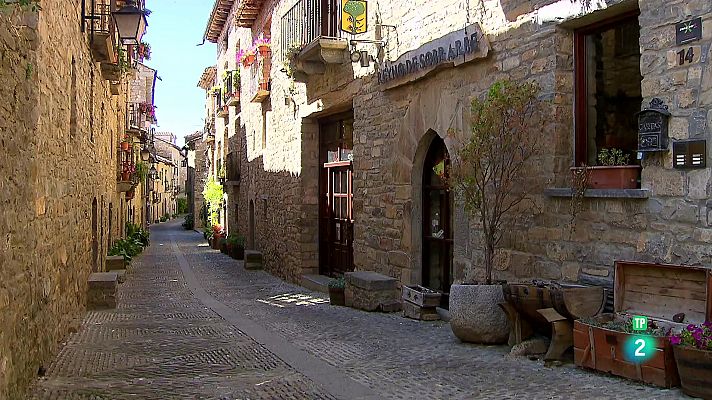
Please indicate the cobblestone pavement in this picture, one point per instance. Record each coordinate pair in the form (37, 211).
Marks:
(163, 342)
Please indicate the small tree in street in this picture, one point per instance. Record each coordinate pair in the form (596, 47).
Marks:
(493, 169)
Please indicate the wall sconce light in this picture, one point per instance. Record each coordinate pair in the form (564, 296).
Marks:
(365, 58)
(130, 23)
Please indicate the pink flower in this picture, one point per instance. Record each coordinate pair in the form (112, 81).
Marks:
(675, 340)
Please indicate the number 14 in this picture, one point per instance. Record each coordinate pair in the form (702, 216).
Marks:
(686, 56)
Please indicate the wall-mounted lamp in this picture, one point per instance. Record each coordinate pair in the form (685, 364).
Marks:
(130, 23)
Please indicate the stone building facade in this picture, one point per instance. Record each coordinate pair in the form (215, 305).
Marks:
(404, 112)
(62, 118)
(204, 148)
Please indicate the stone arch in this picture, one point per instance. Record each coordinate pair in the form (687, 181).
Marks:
(430, 114)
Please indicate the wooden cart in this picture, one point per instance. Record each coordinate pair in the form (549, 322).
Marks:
(658, 291)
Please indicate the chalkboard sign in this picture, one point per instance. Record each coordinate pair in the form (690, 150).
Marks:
(653, 127)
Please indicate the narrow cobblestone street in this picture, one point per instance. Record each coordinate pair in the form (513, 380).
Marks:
(191, 323)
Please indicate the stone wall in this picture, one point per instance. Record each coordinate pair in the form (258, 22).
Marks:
(60, 130)
(671, 226)
(529, 41)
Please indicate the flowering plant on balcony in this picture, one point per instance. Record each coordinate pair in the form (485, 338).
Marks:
(248, 57)
(144, 50)
(263, 45)
(127, 169)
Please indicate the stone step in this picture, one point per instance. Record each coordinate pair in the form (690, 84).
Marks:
(114, 263)
(253, 260)
(317, 283)
(101, 290)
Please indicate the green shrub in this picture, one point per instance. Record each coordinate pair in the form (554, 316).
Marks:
(181, 205)
(188, 223)
(338, 283)
(236, 240)
(208, 232)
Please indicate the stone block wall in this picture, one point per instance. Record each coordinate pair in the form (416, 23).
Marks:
(60, 130)
(392, 125)
(529, 41)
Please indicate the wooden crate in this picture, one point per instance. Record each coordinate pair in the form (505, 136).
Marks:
(421, 296)
(658, 291)
(414, 311)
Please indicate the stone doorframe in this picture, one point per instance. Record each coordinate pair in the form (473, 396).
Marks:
(431, 113)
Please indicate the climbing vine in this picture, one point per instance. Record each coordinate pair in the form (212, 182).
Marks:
(28, 5)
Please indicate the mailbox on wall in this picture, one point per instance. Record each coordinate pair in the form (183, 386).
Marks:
(653, 127)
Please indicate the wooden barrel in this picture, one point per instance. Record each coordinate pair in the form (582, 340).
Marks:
(694, 367)
(526, 299)
(570, 300)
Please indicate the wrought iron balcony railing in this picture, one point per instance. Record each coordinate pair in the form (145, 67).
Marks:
(309, 20)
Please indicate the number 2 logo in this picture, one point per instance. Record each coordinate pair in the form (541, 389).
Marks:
(639, 350)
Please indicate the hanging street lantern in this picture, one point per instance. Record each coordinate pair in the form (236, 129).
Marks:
(153, 173)
(131, 23)
(145, 154)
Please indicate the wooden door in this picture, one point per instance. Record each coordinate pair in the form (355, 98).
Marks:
(94, 236)
(437, 219)
(336, 223)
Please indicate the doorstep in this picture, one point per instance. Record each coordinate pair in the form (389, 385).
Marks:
(316, 283)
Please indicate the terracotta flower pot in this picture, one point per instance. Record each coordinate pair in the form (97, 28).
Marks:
(694, 366)
(264, 50)
(249, 60)
(612, 177)
(125, 146)
(264, 85)
(125, 176)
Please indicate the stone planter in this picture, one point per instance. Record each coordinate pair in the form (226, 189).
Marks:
(475, 316)
(694, 366)
(337, 296)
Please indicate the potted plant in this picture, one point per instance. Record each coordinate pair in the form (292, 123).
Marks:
(236, 246)
(130, 194)
(612, 172)
(693, 355)
(208, 233)
(492, 174)
(144, 50)
(217, 235)
(264, 84)
(263, 46)
(336, 292)
(248, 57)
(125, 144)
(222, 243)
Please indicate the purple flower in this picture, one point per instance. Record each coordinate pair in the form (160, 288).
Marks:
(675, 340)
(697, 335)
(708, 324)
(691, 327)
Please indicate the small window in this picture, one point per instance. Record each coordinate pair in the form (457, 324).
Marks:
(608, 89)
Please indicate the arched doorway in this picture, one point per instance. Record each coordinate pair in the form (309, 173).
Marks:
(94, 236)
(437, 232)
(251, 217)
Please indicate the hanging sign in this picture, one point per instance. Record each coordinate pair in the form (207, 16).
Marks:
(354, 16)
(452, 49)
